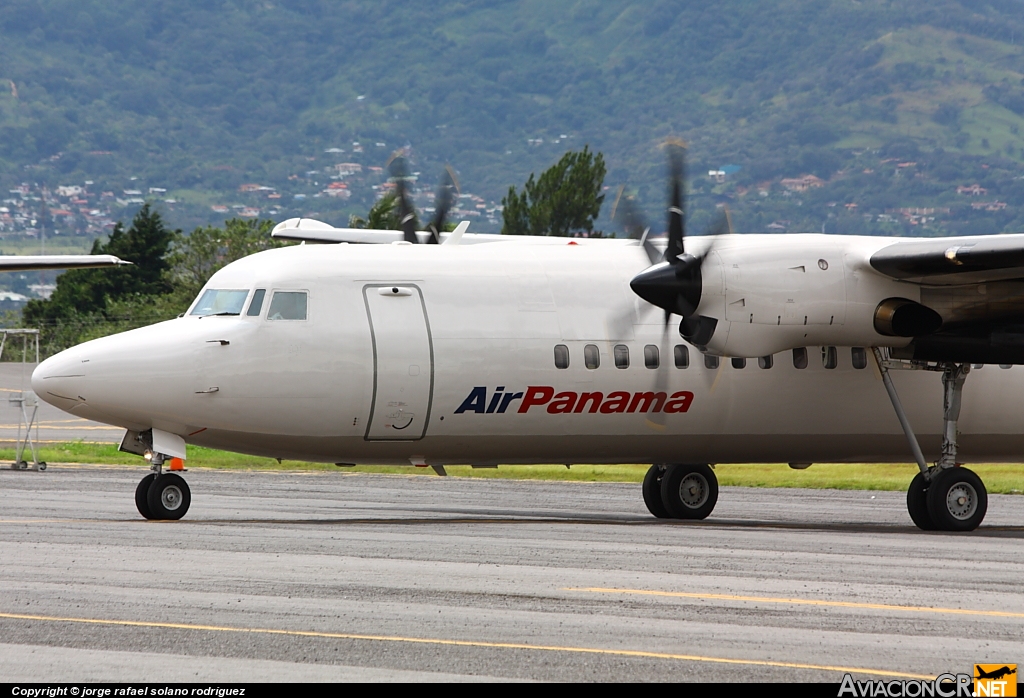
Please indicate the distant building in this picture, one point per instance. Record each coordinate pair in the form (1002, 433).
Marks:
(802, 183)
(973, 190)
(249, 187)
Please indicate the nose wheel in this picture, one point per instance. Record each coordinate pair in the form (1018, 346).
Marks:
(163, 497)
(681, 490)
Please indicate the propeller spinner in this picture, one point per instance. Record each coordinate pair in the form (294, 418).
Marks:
(675, 283)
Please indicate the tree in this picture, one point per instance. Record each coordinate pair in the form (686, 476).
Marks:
(195, 258)
(89, 291)
(565, 199)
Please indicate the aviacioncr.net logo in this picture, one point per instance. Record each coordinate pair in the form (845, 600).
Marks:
(943, 686)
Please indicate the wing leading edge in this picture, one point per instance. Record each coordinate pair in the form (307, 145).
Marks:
(58, 261)
(947, 261)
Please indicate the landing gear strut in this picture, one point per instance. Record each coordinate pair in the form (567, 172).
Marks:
(943, 497)
(162, 496)
(680, 491)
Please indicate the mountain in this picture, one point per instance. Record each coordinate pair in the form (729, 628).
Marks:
(862, 116)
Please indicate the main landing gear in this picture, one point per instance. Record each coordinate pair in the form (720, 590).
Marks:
(680, 491)
(943, 497)
(162, 496)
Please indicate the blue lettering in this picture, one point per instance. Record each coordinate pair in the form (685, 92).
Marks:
(474, 402)
(494, 400)
(508, 398)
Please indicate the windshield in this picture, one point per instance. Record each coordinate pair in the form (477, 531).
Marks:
(217, 301)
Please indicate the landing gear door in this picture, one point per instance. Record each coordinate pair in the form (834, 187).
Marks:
(403, 363)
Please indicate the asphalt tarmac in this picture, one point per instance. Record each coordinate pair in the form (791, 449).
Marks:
(341, 576)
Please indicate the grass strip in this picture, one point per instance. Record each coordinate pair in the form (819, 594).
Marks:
(1003, 478)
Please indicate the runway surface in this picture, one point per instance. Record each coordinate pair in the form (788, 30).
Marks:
(54, 425)
(335, 576)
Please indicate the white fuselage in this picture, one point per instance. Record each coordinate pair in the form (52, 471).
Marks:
(446, 355)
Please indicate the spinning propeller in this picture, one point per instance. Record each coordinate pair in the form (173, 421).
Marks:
(673, 282)
(446, 192)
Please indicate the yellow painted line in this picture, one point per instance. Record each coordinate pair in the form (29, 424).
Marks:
(471, 643)
(800, 602)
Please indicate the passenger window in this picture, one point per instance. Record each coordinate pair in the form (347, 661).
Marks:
(710, 361)
(739, 363)
(976, 366)
(765, 361)
(592, 356)
(288, 305)
(1005, 365)
(829, 357)
(561, 356)
(621, 354)
(681, 354)
(652, 356)
(860, 357)
(800, 357)
(256, 304)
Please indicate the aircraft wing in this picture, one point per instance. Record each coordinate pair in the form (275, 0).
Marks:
(953, 261)
(58, 261)
(309, 230)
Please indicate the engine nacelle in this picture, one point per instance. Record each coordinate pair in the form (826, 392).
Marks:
(774, 293)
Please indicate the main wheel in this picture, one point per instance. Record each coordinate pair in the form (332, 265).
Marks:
(917, 503)
(142, 496)
(689, 491)
(169, 497)
(957, 500)
(652, 492)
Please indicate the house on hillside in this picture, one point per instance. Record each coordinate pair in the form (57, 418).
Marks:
(973, 190)
(802, 183)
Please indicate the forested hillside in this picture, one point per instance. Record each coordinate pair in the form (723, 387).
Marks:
(862, 116)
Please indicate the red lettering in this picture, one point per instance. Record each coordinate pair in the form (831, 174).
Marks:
(645, 400)
(679, 402)
(593, 398)
(616, 402)
(563, 403)
(536, 395)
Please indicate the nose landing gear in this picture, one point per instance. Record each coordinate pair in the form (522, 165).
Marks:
(943, 497)
(162, 496)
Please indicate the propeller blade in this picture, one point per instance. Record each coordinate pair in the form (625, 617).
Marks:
(656, 420)
(676, 212)
(627, 214)
(406, 214)
(446, 193)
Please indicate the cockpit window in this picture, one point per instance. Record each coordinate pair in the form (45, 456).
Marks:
(218, 301)
(287, 305)
(256, 304)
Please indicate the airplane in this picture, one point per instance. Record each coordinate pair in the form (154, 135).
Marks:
(438, 348)
(995, 674)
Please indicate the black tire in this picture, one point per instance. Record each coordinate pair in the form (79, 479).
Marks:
(917, 503)
(689, 491)
(957, 500)
(142, 496)
(652, 492)
(169, 497)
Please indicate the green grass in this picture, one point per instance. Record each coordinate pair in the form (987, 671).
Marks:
(1005, 478)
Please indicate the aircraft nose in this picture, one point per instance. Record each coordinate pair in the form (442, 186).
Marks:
(59, 379)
